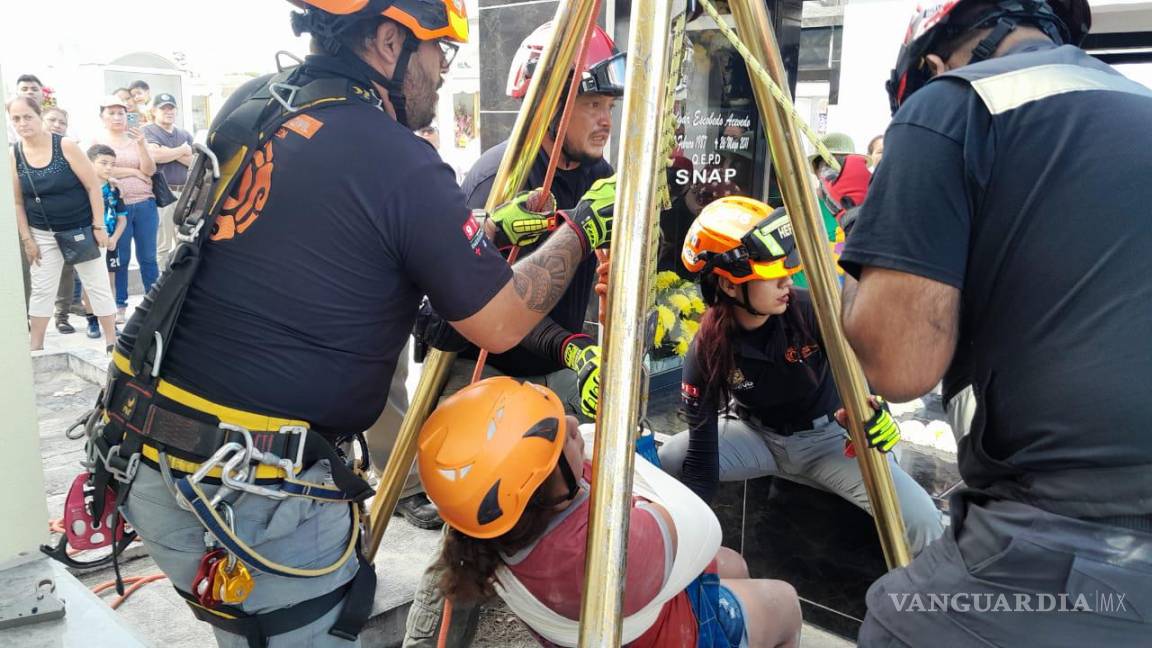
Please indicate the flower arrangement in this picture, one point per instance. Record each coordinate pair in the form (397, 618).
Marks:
(678, 310)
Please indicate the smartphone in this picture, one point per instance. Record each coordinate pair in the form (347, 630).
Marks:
(133, 119)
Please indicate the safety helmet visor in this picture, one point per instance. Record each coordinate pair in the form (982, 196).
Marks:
(606, 77)
(771, 250)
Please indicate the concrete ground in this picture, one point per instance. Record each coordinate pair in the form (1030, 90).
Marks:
(68, 374)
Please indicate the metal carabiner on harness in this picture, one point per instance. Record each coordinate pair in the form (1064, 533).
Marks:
(243, 479)
(219, 457)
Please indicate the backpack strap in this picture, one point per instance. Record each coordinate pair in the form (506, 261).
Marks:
(233, 141)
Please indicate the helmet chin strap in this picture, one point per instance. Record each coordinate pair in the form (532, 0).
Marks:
(395, 85)
(746, 304)
(988, 45)
(569, 480)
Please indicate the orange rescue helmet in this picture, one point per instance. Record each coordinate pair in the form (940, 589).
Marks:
(486, 450)
(741, 239)
(427, 19)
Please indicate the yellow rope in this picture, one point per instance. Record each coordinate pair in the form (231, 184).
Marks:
(778, 94)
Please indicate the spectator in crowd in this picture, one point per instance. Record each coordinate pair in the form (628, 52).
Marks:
(115, 218)
(171, 148)
(133, 171)
(28, 85)
(56, 122)
(841, 147)
(58, 191)
(125, 95)
(141, 95)
(876, 150)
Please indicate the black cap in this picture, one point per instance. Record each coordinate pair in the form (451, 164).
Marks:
(164, 99)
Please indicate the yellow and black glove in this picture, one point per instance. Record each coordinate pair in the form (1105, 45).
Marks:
(881, 430)
(518, 223)
(592, 216)
(582, 356)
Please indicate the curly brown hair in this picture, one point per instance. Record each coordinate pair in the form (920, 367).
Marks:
(469, 564)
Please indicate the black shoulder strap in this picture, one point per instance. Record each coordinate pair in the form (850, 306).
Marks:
(233, 141)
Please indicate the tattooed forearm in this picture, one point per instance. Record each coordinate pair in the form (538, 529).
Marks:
(541, 279)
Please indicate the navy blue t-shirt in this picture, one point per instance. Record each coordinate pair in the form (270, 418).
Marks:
(310, 284)
(568, 187)
(1026, 187)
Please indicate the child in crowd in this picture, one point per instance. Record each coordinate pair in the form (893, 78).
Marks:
(103, 157)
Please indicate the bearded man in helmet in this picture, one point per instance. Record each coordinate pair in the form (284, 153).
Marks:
(556, 353)
(1003, 249)
(280, 339)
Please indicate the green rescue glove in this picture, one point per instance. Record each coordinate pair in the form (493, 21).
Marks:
(881, 429)
(583, 356)
(517, 223)
(592, 217)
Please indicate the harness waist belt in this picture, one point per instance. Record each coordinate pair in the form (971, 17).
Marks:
(176, 421)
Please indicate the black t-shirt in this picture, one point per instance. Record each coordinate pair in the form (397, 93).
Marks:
(568, 187)
(781, 380)
(308, 290)
(1028, 190)
(63, 202)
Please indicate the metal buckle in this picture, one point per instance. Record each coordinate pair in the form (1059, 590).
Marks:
(298, 464)
(190, 237)
(128, 473)
(275, 88)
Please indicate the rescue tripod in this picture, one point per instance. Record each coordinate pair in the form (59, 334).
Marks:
(656, 47)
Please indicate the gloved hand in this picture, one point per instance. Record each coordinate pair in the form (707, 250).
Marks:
(431, 330)
(881, 430)
(518, 223)
(583, 356)
(592, 217)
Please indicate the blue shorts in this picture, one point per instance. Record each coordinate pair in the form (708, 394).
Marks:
(731, 618)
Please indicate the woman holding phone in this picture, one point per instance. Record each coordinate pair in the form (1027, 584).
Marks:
(57, 195)
(133, 171)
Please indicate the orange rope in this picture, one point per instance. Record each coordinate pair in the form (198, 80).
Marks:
(134, 582)
(445, 622)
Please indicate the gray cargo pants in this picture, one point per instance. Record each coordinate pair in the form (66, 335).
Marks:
(295, 531)
(1009, 574)
(813, 458)
(423, 625)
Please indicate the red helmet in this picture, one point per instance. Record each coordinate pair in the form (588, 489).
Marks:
(1064, 21)
(603, 71)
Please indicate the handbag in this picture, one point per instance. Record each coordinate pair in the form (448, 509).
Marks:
(76, 244)
(161, 191)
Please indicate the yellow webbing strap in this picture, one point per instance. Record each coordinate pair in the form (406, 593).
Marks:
(778, 94)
